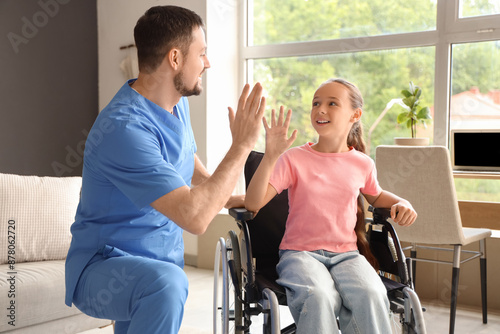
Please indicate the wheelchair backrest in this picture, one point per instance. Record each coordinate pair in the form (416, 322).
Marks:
(385, 246)
(268, 226)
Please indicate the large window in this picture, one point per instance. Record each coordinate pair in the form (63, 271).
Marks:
(475, 82)
(475, 104)
(450, 48)
(381, 45)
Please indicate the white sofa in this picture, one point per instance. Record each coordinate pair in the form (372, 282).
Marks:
(35, 218)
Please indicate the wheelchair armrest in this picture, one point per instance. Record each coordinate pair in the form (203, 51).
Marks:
(379, 214)
(241, 214)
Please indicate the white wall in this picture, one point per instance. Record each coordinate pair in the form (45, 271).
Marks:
(116, 21)
(223, 80)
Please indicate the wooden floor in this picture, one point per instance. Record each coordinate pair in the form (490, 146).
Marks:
(198, 312)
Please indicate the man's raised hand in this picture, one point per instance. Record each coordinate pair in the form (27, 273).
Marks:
(245, 123)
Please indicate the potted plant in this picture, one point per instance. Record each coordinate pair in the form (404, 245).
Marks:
(412, 115)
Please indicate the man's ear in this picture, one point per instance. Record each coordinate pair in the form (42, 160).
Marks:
(175, 58)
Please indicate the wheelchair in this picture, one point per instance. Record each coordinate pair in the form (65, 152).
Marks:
(248, 259)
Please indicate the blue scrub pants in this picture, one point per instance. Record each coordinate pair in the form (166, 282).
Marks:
(321, 286)
(142, 295)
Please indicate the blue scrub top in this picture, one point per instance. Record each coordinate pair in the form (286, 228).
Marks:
(135, 153)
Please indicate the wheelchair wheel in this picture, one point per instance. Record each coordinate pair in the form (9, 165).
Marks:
(227, 317)
(413, 320)
(403, 324)
(409, 326)
(409, 318)
(234, 260)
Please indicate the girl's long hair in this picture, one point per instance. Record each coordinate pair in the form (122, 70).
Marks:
(355, 139)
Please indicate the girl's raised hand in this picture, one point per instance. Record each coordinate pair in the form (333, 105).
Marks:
(277, 140)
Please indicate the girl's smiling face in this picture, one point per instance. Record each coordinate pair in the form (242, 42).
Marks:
(332, 113)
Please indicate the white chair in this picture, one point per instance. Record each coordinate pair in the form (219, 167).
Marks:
(423, 175)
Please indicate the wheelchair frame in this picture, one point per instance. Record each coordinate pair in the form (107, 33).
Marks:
(242, 297)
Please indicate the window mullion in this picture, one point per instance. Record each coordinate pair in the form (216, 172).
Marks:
(442, 71)
(348, 45)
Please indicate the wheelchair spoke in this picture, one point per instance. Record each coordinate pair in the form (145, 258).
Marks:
(396, 323)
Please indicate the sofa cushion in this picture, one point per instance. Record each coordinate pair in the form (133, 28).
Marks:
(36, 214)
(38, 293)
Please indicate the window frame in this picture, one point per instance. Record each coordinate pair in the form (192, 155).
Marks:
(450, 29)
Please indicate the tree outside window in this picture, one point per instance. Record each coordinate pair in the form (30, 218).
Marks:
(381, 72)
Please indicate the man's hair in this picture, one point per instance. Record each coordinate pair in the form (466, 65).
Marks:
(161, 29)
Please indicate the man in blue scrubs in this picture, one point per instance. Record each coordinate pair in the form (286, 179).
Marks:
(143, 183)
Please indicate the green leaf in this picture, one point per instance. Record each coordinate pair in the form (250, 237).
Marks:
(406, 93)
(402, 117)
(409, 101)
(424, 113)
(418, 92)
(408, 124)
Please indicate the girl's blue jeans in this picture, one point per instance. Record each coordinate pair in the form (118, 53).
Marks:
(321, 286)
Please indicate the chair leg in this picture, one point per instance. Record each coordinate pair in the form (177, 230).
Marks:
(484, 295)
(454, 286)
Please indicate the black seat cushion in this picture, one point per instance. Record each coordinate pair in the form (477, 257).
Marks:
(391, 285)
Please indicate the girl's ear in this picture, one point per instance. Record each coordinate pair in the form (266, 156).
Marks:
(356, 116)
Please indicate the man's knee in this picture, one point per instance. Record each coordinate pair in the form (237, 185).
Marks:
(169, 284)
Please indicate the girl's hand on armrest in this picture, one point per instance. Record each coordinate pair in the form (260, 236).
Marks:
(403, 213)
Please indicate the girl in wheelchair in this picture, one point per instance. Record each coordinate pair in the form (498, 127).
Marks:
(320, 266)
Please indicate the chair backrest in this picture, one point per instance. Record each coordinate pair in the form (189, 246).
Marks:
(423, 175)
(268, 226)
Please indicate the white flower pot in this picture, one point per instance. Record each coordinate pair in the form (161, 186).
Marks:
(411, 141)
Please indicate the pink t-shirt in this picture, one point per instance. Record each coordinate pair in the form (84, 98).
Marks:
(322, 193)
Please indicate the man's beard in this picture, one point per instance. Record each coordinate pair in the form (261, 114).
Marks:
(182, 89)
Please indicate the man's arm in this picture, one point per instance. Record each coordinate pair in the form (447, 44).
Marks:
(200, 172)
(194, 208)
